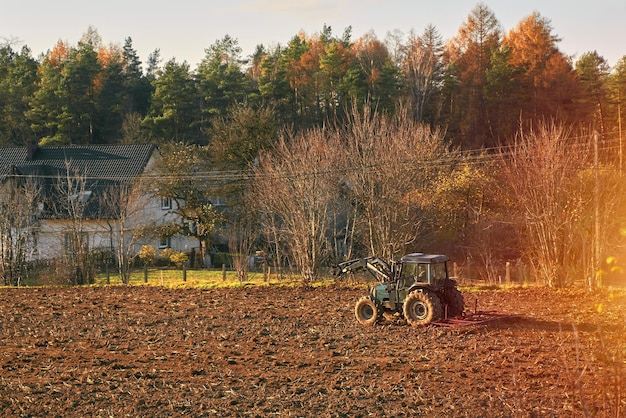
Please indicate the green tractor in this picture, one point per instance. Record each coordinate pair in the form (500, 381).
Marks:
(417, 287)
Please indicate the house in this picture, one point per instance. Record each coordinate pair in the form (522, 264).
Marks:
(85, 198)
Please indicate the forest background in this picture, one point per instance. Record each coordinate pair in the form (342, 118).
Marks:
(492, 147)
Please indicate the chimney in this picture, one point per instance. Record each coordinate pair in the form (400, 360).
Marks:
(31, 148)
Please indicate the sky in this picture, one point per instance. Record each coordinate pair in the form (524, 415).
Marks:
(183, 29)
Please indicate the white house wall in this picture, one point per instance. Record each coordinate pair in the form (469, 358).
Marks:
(103, 235)
(51, 235)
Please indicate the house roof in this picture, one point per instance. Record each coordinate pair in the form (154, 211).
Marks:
(123, 161)
(103, 166)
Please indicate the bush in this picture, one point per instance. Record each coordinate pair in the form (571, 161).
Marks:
(147, 255)
(220, 258)
(165, 255)
(179, 258)
(102, 258)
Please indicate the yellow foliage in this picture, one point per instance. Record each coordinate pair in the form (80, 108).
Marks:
(147, 254)
(179, 258)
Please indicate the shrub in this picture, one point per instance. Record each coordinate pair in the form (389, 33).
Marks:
(166, 254)
(179, 258)
(147, 255)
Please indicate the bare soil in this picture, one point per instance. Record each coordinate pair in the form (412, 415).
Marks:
(270, 351)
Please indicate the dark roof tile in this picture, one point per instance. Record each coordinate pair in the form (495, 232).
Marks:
(104, 166)
(123, 161)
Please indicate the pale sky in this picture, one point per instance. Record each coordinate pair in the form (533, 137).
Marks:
(183, 29)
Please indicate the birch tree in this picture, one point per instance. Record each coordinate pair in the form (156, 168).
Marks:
(71, 210)
(122, 204)
(17, 228)
(422, 68)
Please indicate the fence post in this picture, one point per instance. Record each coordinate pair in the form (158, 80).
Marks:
(223, 272)
(508, 272)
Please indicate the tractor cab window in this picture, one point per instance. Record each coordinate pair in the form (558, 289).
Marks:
(422, 273)
(408, 273)
(438, 272)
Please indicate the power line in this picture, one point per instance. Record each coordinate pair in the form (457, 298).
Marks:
(463, 157)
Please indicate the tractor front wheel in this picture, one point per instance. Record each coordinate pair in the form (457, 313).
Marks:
(368, 310)
(422, 308)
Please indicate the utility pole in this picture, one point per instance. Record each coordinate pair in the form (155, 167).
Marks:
(619, 128)
(596, 209)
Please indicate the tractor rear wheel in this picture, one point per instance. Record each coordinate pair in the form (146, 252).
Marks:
(368, 310)
(454, 300)
(422, 308)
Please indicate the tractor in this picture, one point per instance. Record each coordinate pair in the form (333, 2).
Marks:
(416, 287)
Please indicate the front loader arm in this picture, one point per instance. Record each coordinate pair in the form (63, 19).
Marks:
(377, 267)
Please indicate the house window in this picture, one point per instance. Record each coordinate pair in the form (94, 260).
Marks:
(166, 203)
(165, 242)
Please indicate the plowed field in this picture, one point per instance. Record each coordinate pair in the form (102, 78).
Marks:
(270, 351)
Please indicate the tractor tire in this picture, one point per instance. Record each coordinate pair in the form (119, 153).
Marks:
(454, 299)
(422, 308)
(368, 310)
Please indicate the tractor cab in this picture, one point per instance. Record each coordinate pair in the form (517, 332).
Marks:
(422, 269)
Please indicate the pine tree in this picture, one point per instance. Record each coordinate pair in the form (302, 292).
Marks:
(174, 110)
(221, 82)
(468, 58)
(593, 72)
(544, 77)
(18, 77)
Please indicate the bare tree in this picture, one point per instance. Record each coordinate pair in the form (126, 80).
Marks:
(70, 209)
(392, 165)
(543, 176)
(241, 240)
(18, 223)
(423, 69)
(123, 205)
(271, 225)
(297, 183)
